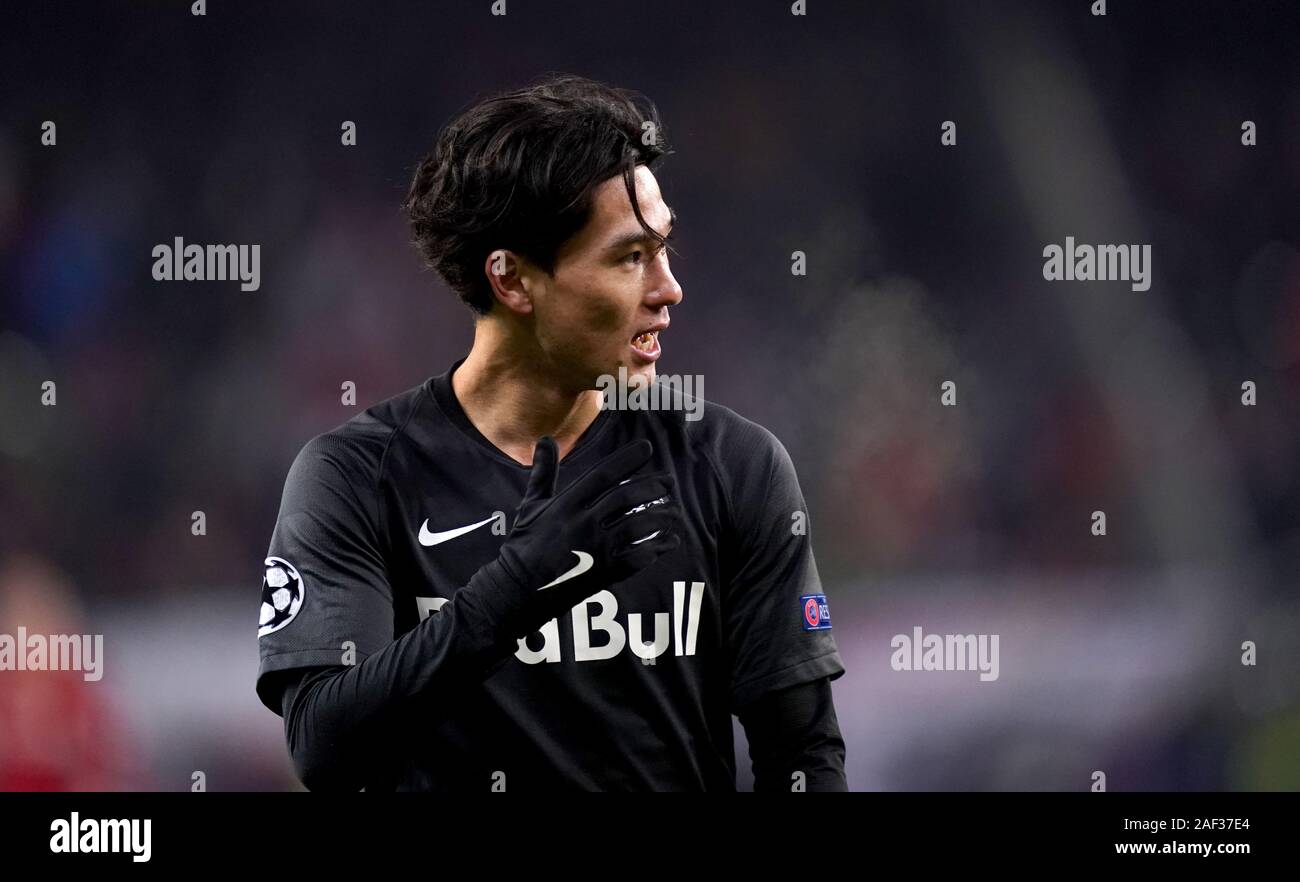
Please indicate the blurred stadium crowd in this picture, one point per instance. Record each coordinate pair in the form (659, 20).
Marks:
(1121, 653)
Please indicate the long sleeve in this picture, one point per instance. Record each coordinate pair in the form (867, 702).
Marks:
(326, 599)
(795, 730)
(340, 721)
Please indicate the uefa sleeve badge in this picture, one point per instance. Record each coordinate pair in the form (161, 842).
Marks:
(282, 590)
(816, 612)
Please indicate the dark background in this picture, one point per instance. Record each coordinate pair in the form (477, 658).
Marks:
(1119, 653)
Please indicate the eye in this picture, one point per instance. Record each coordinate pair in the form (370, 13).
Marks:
(634, 258)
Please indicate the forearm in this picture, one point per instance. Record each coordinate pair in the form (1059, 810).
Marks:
(793, 731)
(339, 720)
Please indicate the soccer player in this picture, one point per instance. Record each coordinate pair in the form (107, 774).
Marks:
(493, 581)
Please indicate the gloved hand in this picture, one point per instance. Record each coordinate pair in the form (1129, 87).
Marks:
(604, 527)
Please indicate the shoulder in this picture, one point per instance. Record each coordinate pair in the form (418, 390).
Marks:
(741, 451)
(356, 449)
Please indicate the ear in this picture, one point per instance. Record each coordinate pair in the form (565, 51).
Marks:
(507, 274)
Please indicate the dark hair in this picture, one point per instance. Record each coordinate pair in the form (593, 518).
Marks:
(517, 171)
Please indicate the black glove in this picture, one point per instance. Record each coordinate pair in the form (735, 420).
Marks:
(607, 525)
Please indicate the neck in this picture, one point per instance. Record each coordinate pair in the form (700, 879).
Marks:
(509, 395)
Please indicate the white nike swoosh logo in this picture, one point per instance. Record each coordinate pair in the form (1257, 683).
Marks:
(427, 538)
(585, 562)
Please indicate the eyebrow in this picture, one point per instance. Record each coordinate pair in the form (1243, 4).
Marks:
(627, 240)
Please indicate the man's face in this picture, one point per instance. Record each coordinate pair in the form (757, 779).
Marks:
(609, 296)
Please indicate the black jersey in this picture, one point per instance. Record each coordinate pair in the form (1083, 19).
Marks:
(385, 517)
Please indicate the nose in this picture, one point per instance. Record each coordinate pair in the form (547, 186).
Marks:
(664, 290)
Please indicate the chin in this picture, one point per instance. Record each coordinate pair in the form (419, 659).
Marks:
(635, 373)
(638, 374)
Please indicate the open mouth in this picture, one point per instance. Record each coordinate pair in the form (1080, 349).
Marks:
(646, 345)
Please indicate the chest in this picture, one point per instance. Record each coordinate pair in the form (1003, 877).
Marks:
(446, 519)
